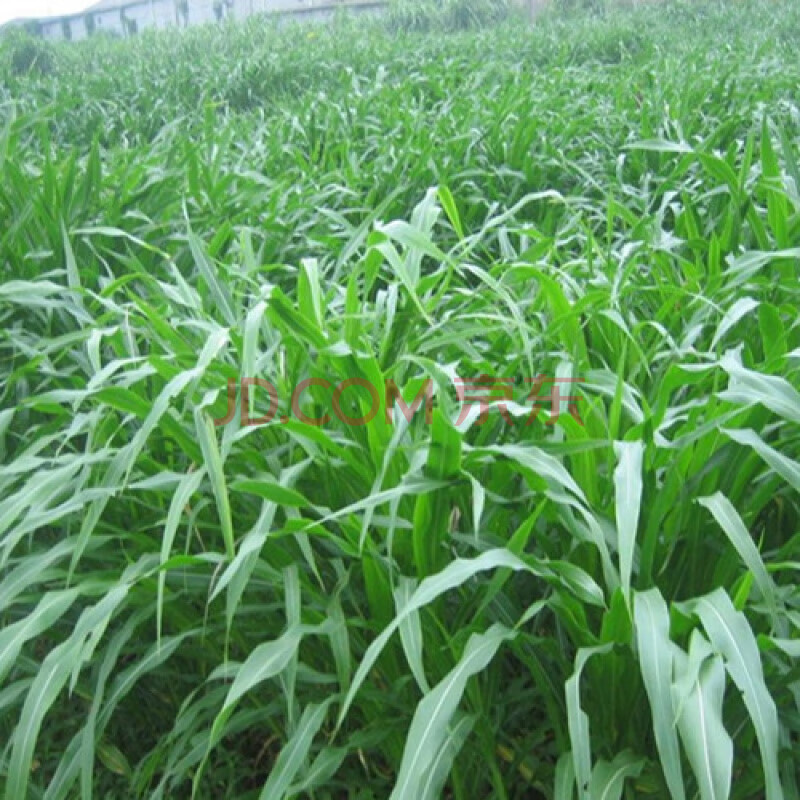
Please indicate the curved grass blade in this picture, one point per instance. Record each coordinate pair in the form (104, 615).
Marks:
(698, 692)
(732, 637)
(628, 503)
(655, 651)
(291, 758)
(429, 728)
(731, 523)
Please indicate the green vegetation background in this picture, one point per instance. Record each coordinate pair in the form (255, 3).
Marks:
(502, 610)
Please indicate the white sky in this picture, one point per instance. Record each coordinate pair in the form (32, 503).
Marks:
(9, 9)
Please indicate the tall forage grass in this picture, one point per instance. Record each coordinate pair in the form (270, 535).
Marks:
(598, 605)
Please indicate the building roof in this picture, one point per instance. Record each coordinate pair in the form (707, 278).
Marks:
(112, 5)
(102, 5)
(21, 22)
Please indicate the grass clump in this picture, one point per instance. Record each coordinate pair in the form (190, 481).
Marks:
(446, 15)
(503, 604)
(22, 53)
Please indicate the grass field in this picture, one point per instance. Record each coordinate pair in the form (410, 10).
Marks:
(517, 598)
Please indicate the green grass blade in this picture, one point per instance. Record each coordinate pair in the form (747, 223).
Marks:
(429, 728)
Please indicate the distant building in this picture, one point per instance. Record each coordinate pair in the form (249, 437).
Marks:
(129, 17)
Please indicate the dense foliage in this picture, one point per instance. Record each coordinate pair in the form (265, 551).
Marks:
(598, 600)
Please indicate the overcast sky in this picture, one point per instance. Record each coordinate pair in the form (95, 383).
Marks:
(9, 9)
